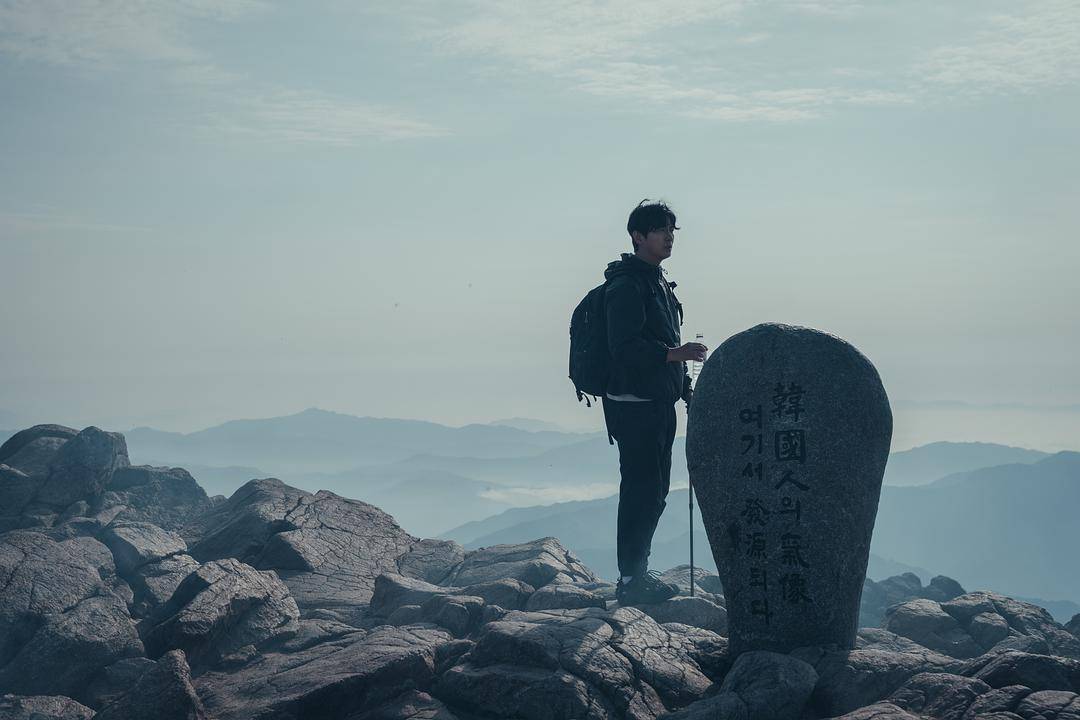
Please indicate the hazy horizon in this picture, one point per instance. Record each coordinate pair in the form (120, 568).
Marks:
(244, 209)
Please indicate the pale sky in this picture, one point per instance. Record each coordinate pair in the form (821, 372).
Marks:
(217, 209)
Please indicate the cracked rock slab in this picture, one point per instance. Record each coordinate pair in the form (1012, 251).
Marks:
(329, 550)
(355, 672)
(537, 563)
(220, 608)
(42, 707)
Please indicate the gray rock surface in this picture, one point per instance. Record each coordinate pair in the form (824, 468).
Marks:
(939, 695)
(82, 467)
(1038, 672)
(326, 548)
(412, 705)
(1049, 705)
(1022, 618)
(703, 580)
(163, 692)
(879, 711)
(30, 450)
(925, 622)
(786, 445)
(69, 648)
(115, 680)
(154, 583)
(136, 543)
(356, 672)
(696, 611)
(42, 707)
(167, 497)
(878, 597)
(850, 680)
(723, 706)
(63, 614)
(771, 685)
(431, 560)
(220, 608)
(563, 596)
(537, 563)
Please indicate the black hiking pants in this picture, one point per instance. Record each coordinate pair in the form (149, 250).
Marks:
(645, 432)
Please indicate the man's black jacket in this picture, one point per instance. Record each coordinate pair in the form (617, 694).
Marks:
(643, 318)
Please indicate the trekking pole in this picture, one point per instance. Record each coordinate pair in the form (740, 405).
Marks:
(695, 366)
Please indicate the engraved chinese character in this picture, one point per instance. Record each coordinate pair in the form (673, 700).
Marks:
(788, 402)
(791, 550)
(755, 512)
(759, 577)
(790, 445)
(793, 588)
(755, 545)
(787, 478)
(751, 415)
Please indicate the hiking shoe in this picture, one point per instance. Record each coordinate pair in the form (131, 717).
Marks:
(645, 589)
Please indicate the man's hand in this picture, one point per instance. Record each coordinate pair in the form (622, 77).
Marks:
(688, 352)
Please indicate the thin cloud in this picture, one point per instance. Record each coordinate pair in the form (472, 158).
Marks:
(111, 34)
(1014, 53)
(308, 117)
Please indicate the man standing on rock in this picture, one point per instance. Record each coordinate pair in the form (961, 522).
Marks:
(647, 377)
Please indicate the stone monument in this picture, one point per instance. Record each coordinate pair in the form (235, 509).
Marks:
(786, 444)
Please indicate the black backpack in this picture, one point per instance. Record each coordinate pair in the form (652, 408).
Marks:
(588, 346)
(589, 359)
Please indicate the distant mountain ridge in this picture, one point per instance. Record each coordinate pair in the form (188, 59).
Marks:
(321, 441)
(926, 463)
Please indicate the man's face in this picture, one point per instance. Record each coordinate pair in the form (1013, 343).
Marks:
(657, 244)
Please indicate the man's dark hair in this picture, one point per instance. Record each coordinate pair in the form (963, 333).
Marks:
(649, 216)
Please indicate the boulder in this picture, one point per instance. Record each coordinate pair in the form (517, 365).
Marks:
(537, 563)
(17, 489)
(115, 680)
(723, 706)
(30, 450)
(459, 614)
(563, 596)
(329, 550)
(154, 583)
(853, 679)
(82, 467)
(167, 497)
(786, 446)
(575, 643)
(220, 608)
(1000, 700)
(771, 685)
(703, 580)
(431, 560)
(135, 544)
(392, 591)
(696, 611)
(69, 648)
(925, 622)
(1073, 626)
(507, 593)
(1038, 672)
(412, 705)
(1050, 704)
(60, 606)
(353, 673)
(42, 707)
(521, 692)
(878, 597)
(1021, 618)
(163, 692)
(879, 711)
(939, 695)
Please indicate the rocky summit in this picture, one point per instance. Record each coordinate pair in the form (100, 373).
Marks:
(126, 592)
